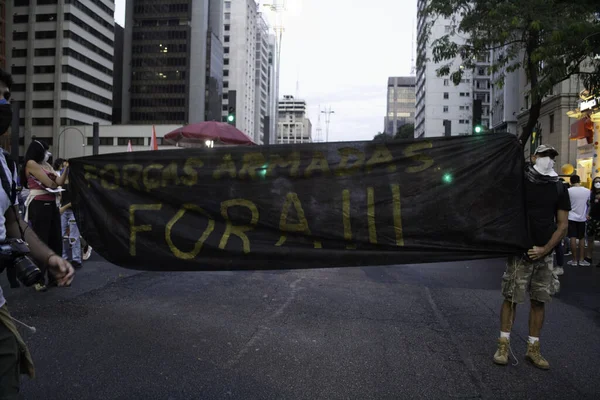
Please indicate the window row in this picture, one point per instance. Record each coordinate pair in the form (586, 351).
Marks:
(159, 102)
(80, 57)
(86, 27)
(67, 69)
(85, 110)
(160, 48)
(158, 89)
(123, 141)
(86, 93)
(38, 69)
(92, 14)
(85, 43)
(157, 75)
(160, 22)
(161, 8)
(177, 117)
(159, 62)
(139, 34)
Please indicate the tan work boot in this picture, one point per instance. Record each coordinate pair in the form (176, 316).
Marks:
(535, 357)
(501, 356)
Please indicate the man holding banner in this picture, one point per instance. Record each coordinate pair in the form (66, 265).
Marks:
(547, 207)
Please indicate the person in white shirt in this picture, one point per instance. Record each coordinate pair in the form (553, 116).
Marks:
(577, 218)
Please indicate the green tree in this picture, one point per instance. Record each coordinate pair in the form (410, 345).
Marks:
(551, 40)
(382, 137)
(406, 131)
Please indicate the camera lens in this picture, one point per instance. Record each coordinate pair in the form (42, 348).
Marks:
(27, 272)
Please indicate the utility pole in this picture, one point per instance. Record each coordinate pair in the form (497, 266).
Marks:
(327, 113)
(319, 129)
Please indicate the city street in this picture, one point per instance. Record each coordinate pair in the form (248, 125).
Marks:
(403, 332)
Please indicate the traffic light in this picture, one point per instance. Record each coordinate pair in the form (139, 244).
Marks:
(231, 116)
(447, 178)
(477, 112)
(231, 99)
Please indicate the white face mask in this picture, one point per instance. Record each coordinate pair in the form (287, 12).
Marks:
(47, 156)
(597, 185)
(545, 166)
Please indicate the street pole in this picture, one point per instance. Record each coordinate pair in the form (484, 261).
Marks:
(96, 135)
(327, 113)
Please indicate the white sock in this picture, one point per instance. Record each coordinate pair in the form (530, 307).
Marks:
(505, 335)
(532, 339)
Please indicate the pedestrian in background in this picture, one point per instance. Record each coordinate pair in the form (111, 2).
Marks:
(579, 196)
(593, 218)
(70, 230)
(41, 209)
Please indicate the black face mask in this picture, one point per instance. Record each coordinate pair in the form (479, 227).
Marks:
(5, 117)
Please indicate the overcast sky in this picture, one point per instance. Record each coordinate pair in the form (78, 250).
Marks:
(339, 53)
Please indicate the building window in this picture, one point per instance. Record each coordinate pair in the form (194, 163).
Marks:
(46, 2)
(481, 71)
(45, 35)
(45, 52)
(447, 28)
(18, 70)
(227, 39)
(43, 104)
(20, 19)
(227, 5)
(226, 50)
(20, 36)
(446, 95)
(551, 123)
(227, 28)
(21, 3)
(104, 141)
(44, 69)
(42, 121)
(226, 72)
(526, 101)
(19, 53)
(45, 17)
(43, 87)
(227, 16)
(446, 82)
(135, 141)
(445, 109)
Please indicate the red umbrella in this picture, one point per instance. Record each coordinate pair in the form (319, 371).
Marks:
(197, 134)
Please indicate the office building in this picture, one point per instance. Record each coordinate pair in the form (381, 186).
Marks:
(239, 71)
(401, 106)
(273, 90)
(293, 125)
(3, 34)
(61, 58)
(165, 71)
(443, 108)
(265, 72)
(117, 111)
(214, 62)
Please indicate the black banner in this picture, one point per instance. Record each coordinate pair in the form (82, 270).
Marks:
(304, 206)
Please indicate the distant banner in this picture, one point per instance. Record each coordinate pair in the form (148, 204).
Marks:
(304, 206)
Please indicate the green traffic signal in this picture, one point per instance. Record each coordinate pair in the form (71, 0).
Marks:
(447, 178)
(478, 129)
(230, 118)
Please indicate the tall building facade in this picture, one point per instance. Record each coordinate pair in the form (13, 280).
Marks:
(164, 79)
(117, 113)
(239, 70)
(293, 125)
(443, 108)
(2, 34)
(265, 70)
(61, 58)
(401, 106)
(273, 89)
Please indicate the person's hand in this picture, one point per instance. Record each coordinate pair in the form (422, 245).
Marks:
(537, 253)
(588, 217)
(61, 269)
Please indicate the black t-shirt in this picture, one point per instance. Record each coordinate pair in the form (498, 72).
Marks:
(595, 207)
(543, 202)
(66, 195)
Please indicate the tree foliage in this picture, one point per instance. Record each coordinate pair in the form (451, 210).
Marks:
(551, 40)
(406, 131)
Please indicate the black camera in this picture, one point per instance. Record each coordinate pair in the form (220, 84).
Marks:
(14, 254)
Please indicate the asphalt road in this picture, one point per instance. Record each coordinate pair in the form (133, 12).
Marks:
(403, 332)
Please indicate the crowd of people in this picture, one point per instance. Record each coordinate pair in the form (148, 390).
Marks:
(584, 225)
(45, 204)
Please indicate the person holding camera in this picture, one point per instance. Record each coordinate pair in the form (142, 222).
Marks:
(17, 244)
